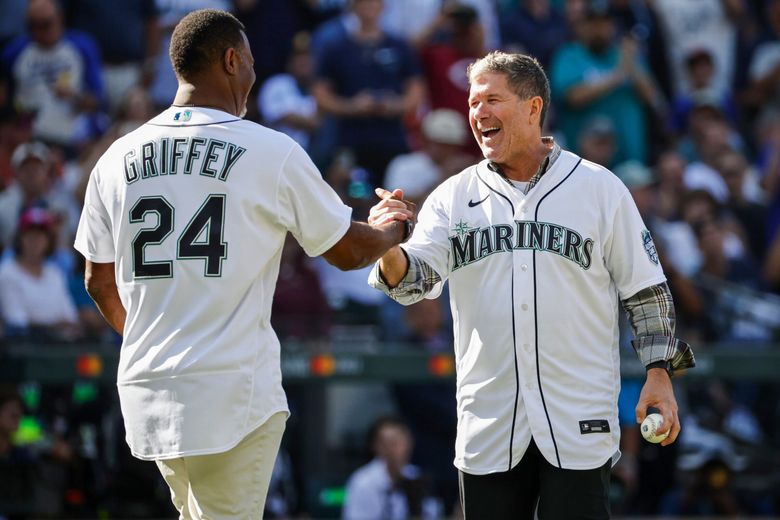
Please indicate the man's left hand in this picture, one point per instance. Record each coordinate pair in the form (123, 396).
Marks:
(658, 393)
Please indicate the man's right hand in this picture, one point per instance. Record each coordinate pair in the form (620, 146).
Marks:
(391, 207)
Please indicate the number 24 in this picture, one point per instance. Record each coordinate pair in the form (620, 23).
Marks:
(209, 218)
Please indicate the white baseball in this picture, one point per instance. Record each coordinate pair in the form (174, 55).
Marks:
(650, 426)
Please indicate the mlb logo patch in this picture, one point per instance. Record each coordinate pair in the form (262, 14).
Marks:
(647, 241)
(183, 116)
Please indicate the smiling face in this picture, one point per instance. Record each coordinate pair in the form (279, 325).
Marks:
(505, 126)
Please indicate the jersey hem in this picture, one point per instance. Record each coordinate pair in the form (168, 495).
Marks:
(614, 457)
(334, 238)
(94, 258)
(210, 451)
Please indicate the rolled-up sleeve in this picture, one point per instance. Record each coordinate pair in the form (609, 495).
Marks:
(652, 317)
(420, 281)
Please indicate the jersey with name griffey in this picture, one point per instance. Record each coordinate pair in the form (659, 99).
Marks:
(535, 282)
(193, 207)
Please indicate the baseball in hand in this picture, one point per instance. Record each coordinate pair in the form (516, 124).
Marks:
(650, 426)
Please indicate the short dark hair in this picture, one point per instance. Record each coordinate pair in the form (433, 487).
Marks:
(524, 74)
(201, 38)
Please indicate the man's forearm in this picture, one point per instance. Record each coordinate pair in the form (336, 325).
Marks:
(101, 286)
(393, 266)
(110, 306)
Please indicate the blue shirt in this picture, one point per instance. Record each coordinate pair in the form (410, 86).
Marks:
(382, 68)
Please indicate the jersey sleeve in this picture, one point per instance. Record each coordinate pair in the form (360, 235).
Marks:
(93, 236)
(430, 242)
(308, 206)
(629, 251)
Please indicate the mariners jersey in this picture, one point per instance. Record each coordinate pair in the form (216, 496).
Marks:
(535, 284)
(194, 207)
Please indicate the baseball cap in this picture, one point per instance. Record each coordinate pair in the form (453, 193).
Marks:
(33, 149)
(445, 125)
(35, 217)
(634, 174)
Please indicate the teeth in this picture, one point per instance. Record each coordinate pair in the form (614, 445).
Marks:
(489, 129)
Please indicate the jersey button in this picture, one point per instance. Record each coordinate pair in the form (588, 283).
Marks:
(524, 307)
(527, 346)
(524, 267)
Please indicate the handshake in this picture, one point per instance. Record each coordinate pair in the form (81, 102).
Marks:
(392, 207)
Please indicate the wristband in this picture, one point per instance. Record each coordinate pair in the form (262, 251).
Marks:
(408, 229)
(665, 364)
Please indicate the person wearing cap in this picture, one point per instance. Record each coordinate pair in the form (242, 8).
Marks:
(444, 132)
(597, 75)
(34, 297)
(31, 165)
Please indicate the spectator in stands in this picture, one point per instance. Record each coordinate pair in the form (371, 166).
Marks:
(454, 41)
(597, 141)
(34, 297)
(703, 24)
(763, 90)
(15, 129)
(369, 80)
(534, 27)
(444, 132)
(595, 75)
(33, 163)
(285, 101)
(300, 310)
(56, 73)
(711, 140)
(128, 35)
(736, 172)
(388, 487)
(700, 73)
(17, 464)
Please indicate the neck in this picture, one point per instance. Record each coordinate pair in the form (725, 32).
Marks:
(207, 96)
(526, 166)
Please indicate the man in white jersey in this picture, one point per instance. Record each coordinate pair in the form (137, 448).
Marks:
(539, 247)
(183, 226)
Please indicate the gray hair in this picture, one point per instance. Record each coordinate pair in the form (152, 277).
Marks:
(524, 74)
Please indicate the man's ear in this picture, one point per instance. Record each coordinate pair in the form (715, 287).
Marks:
(535, 110)
(230, 60)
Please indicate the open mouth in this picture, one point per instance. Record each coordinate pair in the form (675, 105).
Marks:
(489, 133)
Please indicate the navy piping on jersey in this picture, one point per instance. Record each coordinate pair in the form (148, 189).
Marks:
(536, 319)
(514, 332)
(197, 124)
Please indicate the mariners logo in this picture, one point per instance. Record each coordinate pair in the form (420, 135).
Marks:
(647, 241)
(471, 244)
(183, 116)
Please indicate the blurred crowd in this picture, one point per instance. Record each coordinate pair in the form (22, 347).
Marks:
(680, 98)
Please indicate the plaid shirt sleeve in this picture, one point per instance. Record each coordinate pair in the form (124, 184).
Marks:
(420, 279)
(651, 313)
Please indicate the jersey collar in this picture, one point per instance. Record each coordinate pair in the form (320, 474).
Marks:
(548, 162)
(192, 116)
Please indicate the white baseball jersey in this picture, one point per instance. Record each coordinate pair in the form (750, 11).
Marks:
(194, 207)
(535, 282)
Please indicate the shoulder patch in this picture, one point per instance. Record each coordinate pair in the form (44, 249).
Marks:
(649, 245)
